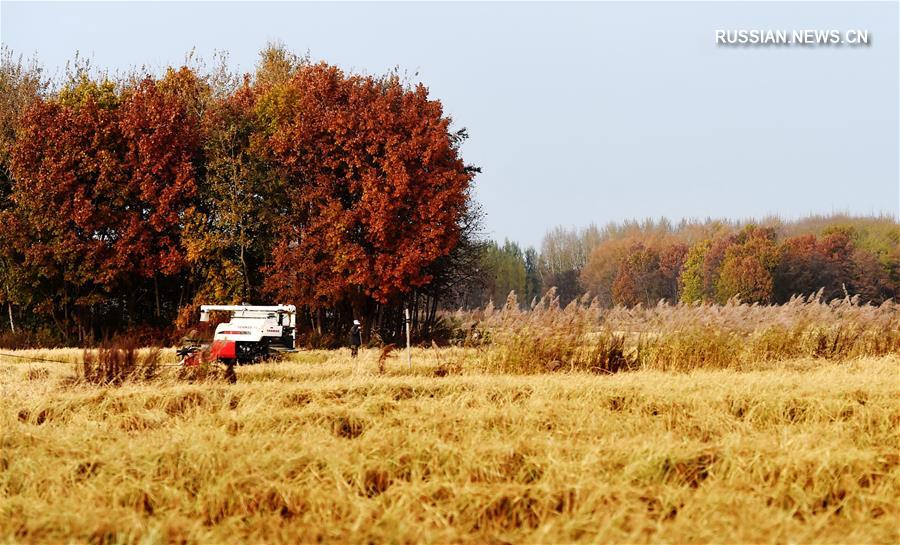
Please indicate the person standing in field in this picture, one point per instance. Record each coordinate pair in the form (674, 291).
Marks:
(355, 338)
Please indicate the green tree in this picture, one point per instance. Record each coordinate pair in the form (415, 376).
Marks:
(532, 275)
(691, 279)
(231, 231)
(506, 269)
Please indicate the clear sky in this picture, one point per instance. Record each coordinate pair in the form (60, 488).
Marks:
(578, 112)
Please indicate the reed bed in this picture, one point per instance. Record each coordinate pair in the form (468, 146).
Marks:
(583, 336)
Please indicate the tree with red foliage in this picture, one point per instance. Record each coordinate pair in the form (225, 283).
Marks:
(836, 245)
(870, 280)
(20, 84)
(648, 274)
(671, 261)
(638, 280)
(160, 133)
(832, 263)
(747, 266)
(375, 185)
(101, 181)
(803, 269)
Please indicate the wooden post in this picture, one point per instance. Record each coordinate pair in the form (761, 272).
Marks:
(408, 358)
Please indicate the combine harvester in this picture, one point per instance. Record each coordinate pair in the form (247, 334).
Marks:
(253, 334)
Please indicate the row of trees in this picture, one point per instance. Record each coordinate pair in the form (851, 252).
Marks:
(126, 202)
(710, 261)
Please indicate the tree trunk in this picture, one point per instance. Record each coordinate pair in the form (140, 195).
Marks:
(432, 315)
(360, 306)
(12, 325)
(245, 290)
(156, 292)
(415, 313)
(62, 330)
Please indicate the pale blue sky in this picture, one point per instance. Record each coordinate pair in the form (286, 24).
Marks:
(578, 112)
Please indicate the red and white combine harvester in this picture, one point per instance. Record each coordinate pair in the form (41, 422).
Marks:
(252, 334)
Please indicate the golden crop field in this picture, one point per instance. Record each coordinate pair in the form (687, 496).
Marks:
(322, 448)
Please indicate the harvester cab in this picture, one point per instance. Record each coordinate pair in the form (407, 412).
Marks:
(253, 333)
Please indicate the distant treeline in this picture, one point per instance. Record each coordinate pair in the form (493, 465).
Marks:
(710, 261)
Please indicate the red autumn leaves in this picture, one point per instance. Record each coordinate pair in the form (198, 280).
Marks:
(375, 185)
(307, 185)
(101, 180)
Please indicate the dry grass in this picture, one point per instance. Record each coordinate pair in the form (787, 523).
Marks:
(116, 363)
(583, 336)
(322, 447)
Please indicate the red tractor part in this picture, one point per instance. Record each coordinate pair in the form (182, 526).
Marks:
(223, 350)
(192, 356)
(253, 333)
